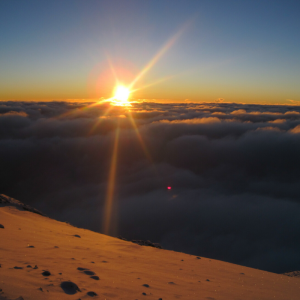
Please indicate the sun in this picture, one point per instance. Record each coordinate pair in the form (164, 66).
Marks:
(121, 95)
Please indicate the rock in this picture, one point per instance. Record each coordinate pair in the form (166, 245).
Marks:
(207, 280)
(30, 246)
(70, 287)
(91, 294)
(35, 267)
(29, 266)
(146, 285)
(40, 289)
(6, 200)
(156, 245)
(89, 272)
(171, 282)
(144, 294)
(1, 226)
(292, 274)
(18, 268)
(46, 273)
(81, 269)
(147, 243)
(95, 277)
(76, 235)
(198, 257)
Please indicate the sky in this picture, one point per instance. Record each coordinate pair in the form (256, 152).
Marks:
(204, 51)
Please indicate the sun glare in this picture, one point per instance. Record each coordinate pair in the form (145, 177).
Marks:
(121, 95)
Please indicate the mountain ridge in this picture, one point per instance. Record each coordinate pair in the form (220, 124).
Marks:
(42, 258)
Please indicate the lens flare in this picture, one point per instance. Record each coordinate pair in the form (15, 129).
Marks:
(120, 97)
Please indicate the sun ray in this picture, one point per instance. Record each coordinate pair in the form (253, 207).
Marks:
(140, 138)
(153, 83)
(100, 120)
(146, 151)
(111, 185)
(112, 68)
(158, 55)
(76, 111)
(120, 98)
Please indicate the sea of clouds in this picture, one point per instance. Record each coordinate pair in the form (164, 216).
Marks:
(234, 171)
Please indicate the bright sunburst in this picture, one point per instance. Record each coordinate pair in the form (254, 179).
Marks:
(121, 95)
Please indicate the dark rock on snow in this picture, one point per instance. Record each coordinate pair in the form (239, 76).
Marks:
(69, 287)
(46, 273)
(147, 243)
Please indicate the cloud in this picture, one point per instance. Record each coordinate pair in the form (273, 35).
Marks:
(13, 114)
(239, 112)
(194, 121)
(294, 102)
(296, 129)
(265, 113)
(269, 128)
(277, 121)
(292, 113)
(234, 178)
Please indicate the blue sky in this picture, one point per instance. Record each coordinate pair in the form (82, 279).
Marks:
(241, 51)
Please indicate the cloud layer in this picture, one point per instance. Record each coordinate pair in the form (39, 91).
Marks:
(233, 169)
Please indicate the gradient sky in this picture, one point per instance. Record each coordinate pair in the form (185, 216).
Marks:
(239, 51)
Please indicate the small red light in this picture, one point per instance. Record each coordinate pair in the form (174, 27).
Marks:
(169, 187)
